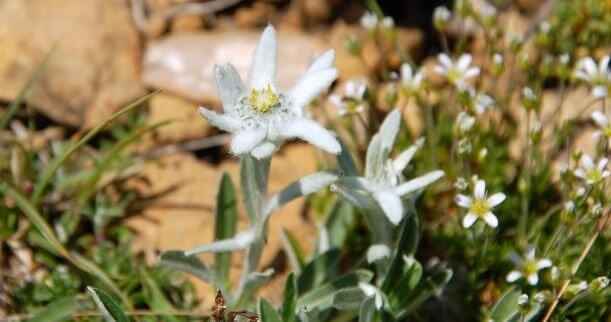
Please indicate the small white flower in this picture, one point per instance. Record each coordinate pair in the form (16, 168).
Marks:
(411, 81)
(545, 27)
(353, 100)
(384, 181)
(528, 267)
(529, 94)
(498, 59)
(603, 124)
(590, 172)
(480, 206)
(465, 122)
(569, 206)
(259, 116)
(461, 183)
(480, 101)
(372, 291)
(597, 76)
(369, 20)
(465, 146)
(523, 299)
(565, 58)
(441, 16)
(388, 22)
(457, 72)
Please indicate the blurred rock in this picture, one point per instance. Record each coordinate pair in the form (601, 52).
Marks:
(530, 5)
(186, 120)
(183, 64)
(257, 15)
(184, 217)
(93, 69)
(187, 23)
(349, 65)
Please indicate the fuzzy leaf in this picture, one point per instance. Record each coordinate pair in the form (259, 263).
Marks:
(253, 178)
(321, 268)
(177, 260)
(111, 311)
(238, 242)
(302, 187)
(225, 225)
(267, 312)
(367, 310)
(293, 251)
(321, 297)
(406, 246)
(289, 305)
(507, 306)
(349, 298)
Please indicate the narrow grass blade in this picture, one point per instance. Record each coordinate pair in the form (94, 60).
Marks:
(111, 311)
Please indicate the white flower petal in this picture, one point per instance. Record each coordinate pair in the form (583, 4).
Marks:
(589, 65)
(310, 86)
(389, 130)
(464, 61)
(445, 60)
(404, 158)
(599, 91)
(419, 182)
(263, 69)
(229, 85)
(530, 253)
(221, 121)
(586, 162)
(391, 203)
(544, 263)
(603, 66)
(491, 219)
(496, 199)
(463, 201)
(322, 62)
(406, 72)
(533, 279)
(513, 276)
(602, 164)
(469, 220)
(471, 72)
(377, 252)
(246, 140)
(480, 189)
(580, 173)
(312, 133)
(600, 119)
(263, 150)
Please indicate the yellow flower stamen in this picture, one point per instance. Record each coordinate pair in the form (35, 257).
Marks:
(263, 100)
(480, 207)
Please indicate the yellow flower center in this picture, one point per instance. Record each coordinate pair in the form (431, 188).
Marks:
(263, 100)
(530, 267)
(594, 175)
(480, 207)
(607, 131)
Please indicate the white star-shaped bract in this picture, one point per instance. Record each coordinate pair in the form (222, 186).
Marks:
(590, 172)
(259, 116)
(459, 72)
(597, 76)
(528, 267)
(480, 206)
(383, 180)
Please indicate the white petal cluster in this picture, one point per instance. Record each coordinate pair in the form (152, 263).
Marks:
(590, 172)
(480, 205)
(411, 80)
(353, 98)
(259, 116)
(457, 72)
(597, 76)
(383, 180)
(527, 267)
(371, 21)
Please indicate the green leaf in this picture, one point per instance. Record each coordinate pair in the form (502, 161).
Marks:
(406, 246)
(289, 305)
(111, 311)
(253, 178)
(339, 224)
(346, 162)
(349, 298)
(58, 310)
(321, 268)
(293, 251)
(225, 226)
(507, 306)
(322, 297)
(155, 297)
(176, 259)
(267, 312)
(367, 310)
(25, 90)
(56, 163)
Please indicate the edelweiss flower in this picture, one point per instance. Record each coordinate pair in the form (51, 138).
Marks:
(458, 72)
(603, 123)
(591, 173)
(383, 180)
(528, 267)
(597, 76)
(411, 82)
(480, 206)
(259, 116)
(353, 99)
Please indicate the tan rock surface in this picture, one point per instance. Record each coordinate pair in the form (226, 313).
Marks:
(184, 218)
(93, 68)
(186, 120)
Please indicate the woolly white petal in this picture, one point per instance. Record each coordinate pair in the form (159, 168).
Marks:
(464, 61)
(221, 121)
(600, 119)
(263, 150)
(263, 69)
(496, 199)
(491, 220)
(229, 85)
(310, 86)
(419, 182)
(322, 62)
(246, 140)
(533, 279)
(312, 133)
(391, 204)
(513, 276)
(468, 220)
(480, 189)
(445, 60)
(404, 158)
(544, 263)
(463, 201)
(239, 241)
